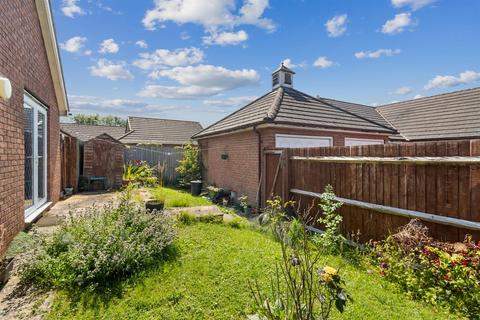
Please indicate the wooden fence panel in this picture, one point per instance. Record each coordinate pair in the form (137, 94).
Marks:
(446, 189)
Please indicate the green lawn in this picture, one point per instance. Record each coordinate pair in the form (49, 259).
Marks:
(178, 198)
(208, 280)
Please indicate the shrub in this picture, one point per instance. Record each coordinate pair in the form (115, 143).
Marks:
(299, 288)
(331, 239)
(189, 167)
(100, 247)
(139, 172)
(440, 273)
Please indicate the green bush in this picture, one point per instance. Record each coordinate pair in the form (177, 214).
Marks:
(100, 247)
(189, 167)
(440, 273)
(139, 172)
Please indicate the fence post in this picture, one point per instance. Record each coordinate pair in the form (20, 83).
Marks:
(286, 154)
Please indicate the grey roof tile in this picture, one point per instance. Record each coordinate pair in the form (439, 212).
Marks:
(289, 106)
(84, 132)
(445, 116)
(160, 131)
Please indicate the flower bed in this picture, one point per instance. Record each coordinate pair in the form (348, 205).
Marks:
(437, 272)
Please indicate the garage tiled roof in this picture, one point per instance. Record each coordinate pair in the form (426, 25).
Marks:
(446, 116)
(84, 132)
(289, 106)
(160, 131)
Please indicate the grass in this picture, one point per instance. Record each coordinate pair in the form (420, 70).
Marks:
(209, 278)
(176, 198)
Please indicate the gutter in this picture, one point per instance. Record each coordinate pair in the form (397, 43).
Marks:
(259, 150)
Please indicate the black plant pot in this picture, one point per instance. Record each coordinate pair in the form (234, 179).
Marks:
(156, 205)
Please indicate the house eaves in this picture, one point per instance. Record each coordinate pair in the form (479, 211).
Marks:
(48, 32)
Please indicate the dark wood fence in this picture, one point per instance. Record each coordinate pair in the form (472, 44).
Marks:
(384, 186)
(69, 152)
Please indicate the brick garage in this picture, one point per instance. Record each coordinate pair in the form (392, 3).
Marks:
(24, 59)
(284, 117)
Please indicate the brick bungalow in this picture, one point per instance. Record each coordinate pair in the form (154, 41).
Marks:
(29, 120)
(232, 148)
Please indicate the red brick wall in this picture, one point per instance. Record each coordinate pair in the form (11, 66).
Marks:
(240, 171)
(103, 157)
(23, 60)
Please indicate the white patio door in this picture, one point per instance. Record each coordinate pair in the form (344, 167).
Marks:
(35, 136)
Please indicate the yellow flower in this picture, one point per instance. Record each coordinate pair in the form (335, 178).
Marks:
(329, 273)
(330, 270)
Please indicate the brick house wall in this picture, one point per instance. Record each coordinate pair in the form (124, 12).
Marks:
(23, 59)
(241, 171)
(103, 156)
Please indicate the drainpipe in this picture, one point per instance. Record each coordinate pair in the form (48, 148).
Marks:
(259, 140)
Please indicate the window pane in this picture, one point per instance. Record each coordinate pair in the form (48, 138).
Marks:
(28, 141)
(41, 153)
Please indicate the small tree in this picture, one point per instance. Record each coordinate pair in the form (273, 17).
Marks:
(331, 239)
(189, 167)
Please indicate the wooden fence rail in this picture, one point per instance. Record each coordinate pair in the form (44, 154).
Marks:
(383, 186)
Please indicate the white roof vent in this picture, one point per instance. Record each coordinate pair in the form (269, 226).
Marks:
(282, 77)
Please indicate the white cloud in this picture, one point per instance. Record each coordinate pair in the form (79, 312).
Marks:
(70, 8)
(162, 58)
(211, 14)
(323, 63)
(398, 23)
(111, 70)
(109, 46)
(199, 81)
(291, 65)
(231, 101)
(377, 53)
(414, 4)
(417, 96)
(452, 81)
(403, 90)
(74, 44)
(121, 107)
(336, 26)
(142, 44)
(225, 38)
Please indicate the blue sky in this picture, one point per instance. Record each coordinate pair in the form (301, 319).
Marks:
(202, 59)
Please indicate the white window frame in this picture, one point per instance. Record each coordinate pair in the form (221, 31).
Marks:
(281, 135)
(350, 142)
(39, 205)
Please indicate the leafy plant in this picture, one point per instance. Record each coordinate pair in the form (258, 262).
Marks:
(299, 289)
(189, 167)
(331, 239)
(440, 273)
(139, 172)
(100, 247)
(243, 199)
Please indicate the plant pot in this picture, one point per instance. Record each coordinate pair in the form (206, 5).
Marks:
(68, 191)
(196, 187)
(6, 267)
(126, 182)
(154, 205)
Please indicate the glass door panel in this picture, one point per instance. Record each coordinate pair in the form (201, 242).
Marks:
(35, 136)
(29, 157)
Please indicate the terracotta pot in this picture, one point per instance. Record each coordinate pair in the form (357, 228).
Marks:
(154, 205)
